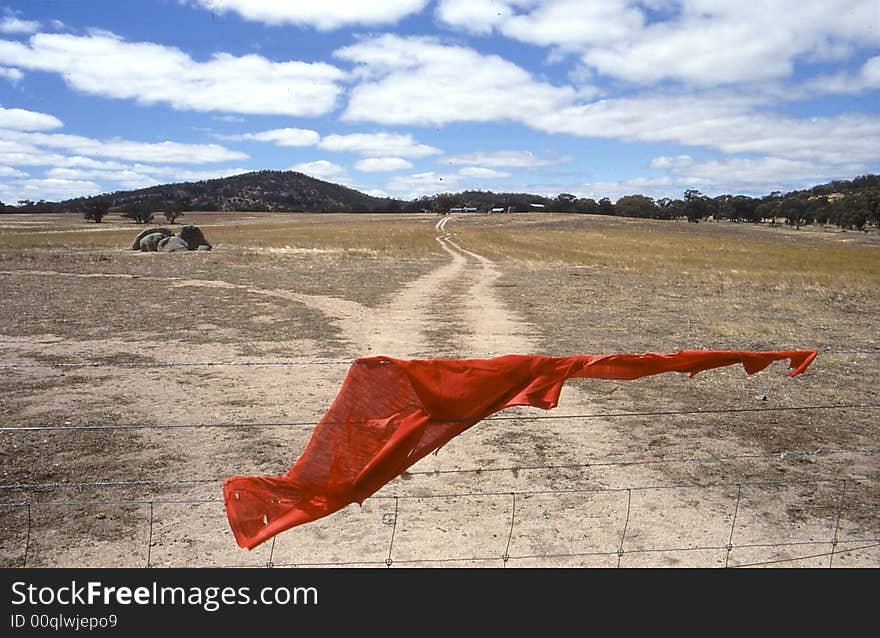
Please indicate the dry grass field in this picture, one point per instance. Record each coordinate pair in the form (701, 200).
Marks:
(133, 383)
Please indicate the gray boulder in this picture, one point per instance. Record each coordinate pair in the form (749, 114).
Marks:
(150, 243)
(172, 245)
(193, 236)
(136, 244)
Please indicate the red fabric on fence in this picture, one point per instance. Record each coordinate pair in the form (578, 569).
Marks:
(390, 413)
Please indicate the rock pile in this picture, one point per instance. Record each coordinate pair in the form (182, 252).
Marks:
(164, 241)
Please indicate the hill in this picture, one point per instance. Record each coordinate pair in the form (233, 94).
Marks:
(256, 191)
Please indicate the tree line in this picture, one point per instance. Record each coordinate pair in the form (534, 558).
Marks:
(851, 204)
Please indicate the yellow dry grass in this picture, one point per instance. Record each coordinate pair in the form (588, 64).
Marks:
(710, 251)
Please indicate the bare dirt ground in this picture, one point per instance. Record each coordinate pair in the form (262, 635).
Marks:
(722, 469)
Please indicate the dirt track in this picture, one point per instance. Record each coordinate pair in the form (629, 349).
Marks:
(565, 512)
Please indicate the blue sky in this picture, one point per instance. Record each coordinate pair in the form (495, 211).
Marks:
(403, 98)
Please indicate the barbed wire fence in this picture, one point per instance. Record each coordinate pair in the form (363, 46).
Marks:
(831, 548)
(835, 546)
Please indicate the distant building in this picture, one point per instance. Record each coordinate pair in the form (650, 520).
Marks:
(496, 210)
(537, 205)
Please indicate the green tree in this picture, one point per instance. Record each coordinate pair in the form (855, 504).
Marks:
(696, 205)
(564, 202)
(744, 208)
(443, 202)
(140, 212)
(96, 209)
(586, 205)
(666, 208)
(176, 208)
(795, 211)
(635, 206)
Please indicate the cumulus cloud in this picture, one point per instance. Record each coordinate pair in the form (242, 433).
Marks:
(481, 172)
(50, 189)
(106, 65)
(672, 162)
(139, 175)
(376, 144)
(867, 78)
(728, 123)
(23, 120)
(8, 171)
(324, 15)
(124, 179)
(11, 73)
(432, 182)
(755, 176)
(420, 81)
(321, 169)
(427, 183)
(382, 164)
(702, 42)
(118, 148)
(512, 159)
(280, 137)
(12, 24)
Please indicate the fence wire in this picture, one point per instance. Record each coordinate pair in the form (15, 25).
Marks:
(11, 365)
(518, 417)
(836, 545)
(783, 455)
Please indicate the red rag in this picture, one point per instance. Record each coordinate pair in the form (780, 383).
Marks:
(390, 413)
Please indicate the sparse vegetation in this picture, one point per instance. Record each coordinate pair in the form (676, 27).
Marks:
(96, 209)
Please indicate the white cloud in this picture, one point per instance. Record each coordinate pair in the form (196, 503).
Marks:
(106, 65)
(374, 144)
(117, 148)
(321, 169)
(670, 162)
(513, 159)
(476, 16)
(140, 175)
(421, 81)
(427, 183)
(8, 171)
(323, 15)
(703, 42)
(280, 137)
(382, 164)
(50, 189)
(655, 187)
(23, 120)
(866, 79)
(481, 172)
(176, 174)
(432, 182)
(726, 122)
(757, 175)
(123, 179)
(11, 73)
(11, 24)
